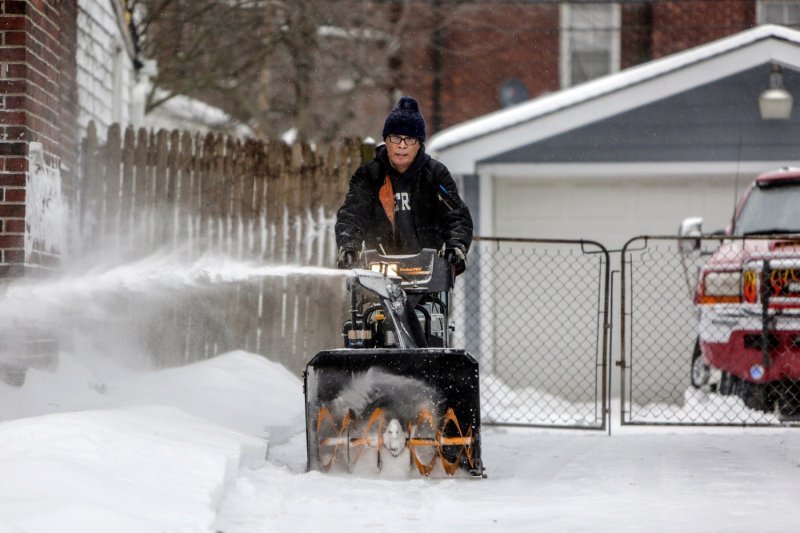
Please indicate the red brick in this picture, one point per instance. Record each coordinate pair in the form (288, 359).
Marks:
(13, 148)
(39, 5)
(15, 195)
(13, 256)
(12, 87)
(523, 39)
(705, 20)
(15, 102)
(15, 7)
(12, 22)
(14, 38)
(16, 164)
(12, 241)
(470, 77)
(12, 180)
(13, 211)
(16, 70)
(16, 53)
(17, 133)
(14, 225)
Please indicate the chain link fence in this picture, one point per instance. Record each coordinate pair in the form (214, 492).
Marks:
(535, 314)
(710, 331)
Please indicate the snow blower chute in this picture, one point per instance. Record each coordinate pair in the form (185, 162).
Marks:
(397, 399)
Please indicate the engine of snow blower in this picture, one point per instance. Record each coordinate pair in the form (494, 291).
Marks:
(397, 399)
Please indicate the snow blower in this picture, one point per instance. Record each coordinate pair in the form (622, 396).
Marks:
(397, 400)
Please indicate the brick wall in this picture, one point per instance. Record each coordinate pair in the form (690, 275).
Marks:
(636, 36)
(680, 25)
(486, 43)
(37, 103)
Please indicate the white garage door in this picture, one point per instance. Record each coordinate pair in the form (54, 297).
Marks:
(609, 211)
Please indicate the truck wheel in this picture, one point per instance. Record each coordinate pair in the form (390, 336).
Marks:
(701, 372)
(728, 384)
(759, 396)
(789, 400)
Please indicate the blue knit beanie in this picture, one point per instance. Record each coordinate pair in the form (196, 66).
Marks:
(405, 119)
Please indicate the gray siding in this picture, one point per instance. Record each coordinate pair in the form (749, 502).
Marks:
(696, 125)
(105, 70)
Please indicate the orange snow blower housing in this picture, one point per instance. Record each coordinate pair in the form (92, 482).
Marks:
(397, 400)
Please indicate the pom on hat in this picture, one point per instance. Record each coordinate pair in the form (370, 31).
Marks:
(405, 119)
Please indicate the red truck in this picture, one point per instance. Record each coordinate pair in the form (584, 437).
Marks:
(747, 294)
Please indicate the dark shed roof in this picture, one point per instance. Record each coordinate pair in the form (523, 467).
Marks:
(718, 121)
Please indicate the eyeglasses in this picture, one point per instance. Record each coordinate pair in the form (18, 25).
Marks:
(397, 139)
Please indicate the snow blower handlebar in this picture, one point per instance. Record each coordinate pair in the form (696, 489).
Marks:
(393, 301)
(400, 283)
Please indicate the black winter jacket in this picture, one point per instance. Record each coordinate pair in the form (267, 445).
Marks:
(438, 221)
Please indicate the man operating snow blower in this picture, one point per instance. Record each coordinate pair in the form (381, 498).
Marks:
(403, 200)
(397, 396)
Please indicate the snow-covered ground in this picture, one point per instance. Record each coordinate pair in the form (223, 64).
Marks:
(219, 446)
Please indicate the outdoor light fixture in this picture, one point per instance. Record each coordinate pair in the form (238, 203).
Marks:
(775, 102)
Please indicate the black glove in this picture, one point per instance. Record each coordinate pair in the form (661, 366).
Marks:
(456, 257)
(345, 259)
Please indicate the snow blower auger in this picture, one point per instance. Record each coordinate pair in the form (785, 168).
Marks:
(397, 400)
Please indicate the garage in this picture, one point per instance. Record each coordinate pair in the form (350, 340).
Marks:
(607, 210)
(630, 154)
(634, 152)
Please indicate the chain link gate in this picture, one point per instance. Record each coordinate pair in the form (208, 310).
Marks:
(710, 330)
(535, 314)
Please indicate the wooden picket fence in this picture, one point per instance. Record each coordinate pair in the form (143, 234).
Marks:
(144, 192)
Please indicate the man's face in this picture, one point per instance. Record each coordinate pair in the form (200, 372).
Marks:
(401, 154)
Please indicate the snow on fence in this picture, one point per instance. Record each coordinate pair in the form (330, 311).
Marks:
(189, 196)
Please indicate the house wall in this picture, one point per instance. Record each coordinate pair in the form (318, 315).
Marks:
(37, 95)
(484, 44)
(682, 25)
(105, 72)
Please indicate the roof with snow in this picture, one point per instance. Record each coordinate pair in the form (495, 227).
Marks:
(697, 105)
(183, 112)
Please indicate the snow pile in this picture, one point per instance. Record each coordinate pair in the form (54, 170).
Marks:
(79, 465)
(503, 404)
(138, 452)
(95, 448)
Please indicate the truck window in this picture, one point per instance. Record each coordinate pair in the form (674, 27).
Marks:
(770, 210)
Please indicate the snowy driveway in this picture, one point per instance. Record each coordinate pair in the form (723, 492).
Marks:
(544, 480)
(183, 450)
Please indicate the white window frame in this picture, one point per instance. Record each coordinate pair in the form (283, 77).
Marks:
(565, 59)
(760, 11)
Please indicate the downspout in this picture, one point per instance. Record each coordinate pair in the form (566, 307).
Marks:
(437, 60)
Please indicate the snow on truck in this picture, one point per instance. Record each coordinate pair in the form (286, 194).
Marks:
(747, 294)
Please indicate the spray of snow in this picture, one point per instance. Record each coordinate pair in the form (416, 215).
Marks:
(108, 310)
(400, 396)
(151, 275)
